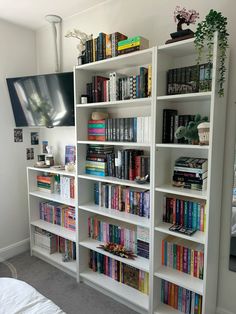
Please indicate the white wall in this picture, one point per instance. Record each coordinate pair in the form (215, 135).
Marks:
(154, 19)
(17, 57)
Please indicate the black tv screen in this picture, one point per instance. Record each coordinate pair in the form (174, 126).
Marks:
(42, 100)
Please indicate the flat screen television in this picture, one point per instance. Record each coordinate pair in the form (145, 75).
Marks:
(42, 100)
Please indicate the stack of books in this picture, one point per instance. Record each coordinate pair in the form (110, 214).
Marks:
(119, 271)
(132, 44)
(181, 299)
(120, 87)
(96, 130)
(103, 47)
(187, 213)
(171, 122)
(57, 214)
(96, 159)
(191, 173)
(45, 240)
(121, 198)
(183, 255)
(191, 79)
(45, 183)
(143, 241)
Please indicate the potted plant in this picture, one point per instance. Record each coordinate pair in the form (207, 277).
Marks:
(204, 35)
(183, 16)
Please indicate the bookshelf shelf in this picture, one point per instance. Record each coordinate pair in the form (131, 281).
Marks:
(168, 188)
(139, 262)
(181, 279)
(165, 309)
(198, 236)
(186, 97)
(115, 214)
(179, 49)
(56, 260)
(117, 63)
(124, 292)
(113, 180)
(58, 230)
(183, 146)
(138, 102)
(53, 197)
(50, 170)
(128, 144)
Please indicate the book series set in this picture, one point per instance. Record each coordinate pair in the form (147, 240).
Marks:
(58, 214)
(122, 198)
(119, 271)
(119, 86)
(137, 129)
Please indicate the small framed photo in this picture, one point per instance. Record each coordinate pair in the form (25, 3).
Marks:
(34, 138)
(18, 135)
(44, 147)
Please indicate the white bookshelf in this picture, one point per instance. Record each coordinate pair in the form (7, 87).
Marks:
(126, 64)
(206, 103)
(34, 198)
(162, 161)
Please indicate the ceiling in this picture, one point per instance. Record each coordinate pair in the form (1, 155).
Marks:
(31, 13)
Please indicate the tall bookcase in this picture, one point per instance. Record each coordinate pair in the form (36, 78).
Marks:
(126, 64)
(206, 103)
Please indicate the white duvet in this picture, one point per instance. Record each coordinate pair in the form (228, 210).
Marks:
(17, 297)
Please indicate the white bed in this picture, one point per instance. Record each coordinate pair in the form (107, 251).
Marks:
(17, 297)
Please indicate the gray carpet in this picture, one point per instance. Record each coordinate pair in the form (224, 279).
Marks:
(61, 288)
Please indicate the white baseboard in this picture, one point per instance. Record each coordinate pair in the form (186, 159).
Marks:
(14, 249)
(222, 311)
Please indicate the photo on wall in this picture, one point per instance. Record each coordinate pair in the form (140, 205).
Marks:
(44, 147)
(18, 135)
(34, 138)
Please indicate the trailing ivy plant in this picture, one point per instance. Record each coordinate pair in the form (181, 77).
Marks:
(204, 34)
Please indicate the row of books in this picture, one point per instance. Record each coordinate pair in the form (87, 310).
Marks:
(191, 173)
(54, 244)
(183, 255)
(191, 79)
(180, 298)
(103, 47)
(137, 129)
(190, 214)
(119, 271)
(111, 45)
(171, 122)
(67, 187)
(45, 183)
(105, 230)
(122, 198)
(58, 214)
(124, 164)
(120, 87)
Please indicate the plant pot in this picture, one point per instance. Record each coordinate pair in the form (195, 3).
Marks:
(184, 32)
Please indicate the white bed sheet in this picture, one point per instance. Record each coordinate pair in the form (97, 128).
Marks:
(17, 297)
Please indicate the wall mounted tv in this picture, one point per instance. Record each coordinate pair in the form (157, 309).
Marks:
(42, 100)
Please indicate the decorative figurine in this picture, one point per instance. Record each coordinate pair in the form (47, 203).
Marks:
(182, 16)
(82, 37)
